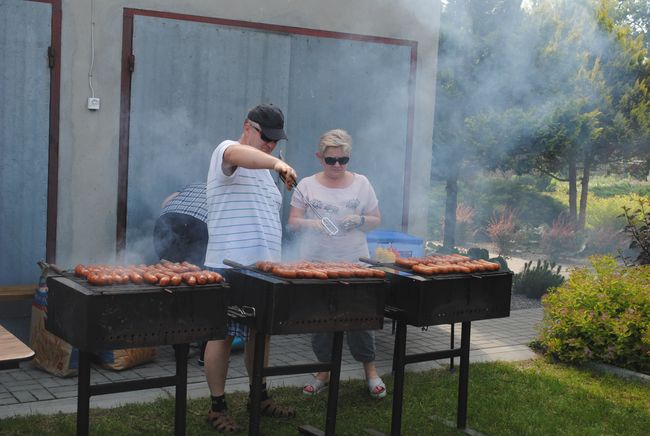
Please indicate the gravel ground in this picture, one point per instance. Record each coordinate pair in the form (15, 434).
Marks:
(519, 302)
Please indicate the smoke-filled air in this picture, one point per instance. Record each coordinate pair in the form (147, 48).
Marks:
(541, 132)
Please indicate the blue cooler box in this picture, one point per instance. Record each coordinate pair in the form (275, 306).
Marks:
(406, 245)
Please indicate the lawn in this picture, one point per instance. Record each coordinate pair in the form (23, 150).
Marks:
(532, 398)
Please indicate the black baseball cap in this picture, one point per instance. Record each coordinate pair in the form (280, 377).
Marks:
(270, 119)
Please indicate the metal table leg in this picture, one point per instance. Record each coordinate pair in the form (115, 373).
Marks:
(398, 367)
(335, 375)
(463, 377)
(256, 388)
(181, 351)
(83, 393)
(451, 347)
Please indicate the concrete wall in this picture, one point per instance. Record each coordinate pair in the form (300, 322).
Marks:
(88, 160)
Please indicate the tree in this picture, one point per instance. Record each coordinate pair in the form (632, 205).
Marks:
(471, 36)
(593, 105)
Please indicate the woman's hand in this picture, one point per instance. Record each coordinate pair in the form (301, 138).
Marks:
(352, 222)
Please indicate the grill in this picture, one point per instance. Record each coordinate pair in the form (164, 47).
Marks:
(94, 318)
(441, 299)
(446, 299)
(291, 306)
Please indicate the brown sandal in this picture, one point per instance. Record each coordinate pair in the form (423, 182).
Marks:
(272, 409)
(223, 422)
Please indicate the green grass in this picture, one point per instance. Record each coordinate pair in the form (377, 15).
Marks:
(532, 398)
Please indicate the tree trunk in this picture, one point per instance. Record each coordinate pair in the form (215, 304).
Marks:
(451, 203)
(584, 192)
(573, 191)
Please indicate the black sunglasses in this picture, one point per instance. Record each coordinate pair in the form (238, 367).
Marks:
(262, 135)
(333, 160)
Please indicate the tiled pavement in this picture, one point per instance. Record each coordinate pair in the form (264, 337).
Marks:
(28, 390)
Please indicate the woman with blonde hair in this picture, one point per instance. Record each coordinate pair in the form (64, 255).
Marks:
(348, 200)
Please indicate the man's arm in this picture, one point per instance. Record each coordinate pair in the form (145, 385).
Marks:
(245, 156)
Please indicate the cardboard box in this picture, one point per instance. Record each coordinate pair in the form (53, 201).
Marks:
(401, 244)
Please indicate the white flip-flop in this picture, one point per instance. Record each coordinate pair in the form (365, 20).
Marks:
(377, 388)
(313, 388)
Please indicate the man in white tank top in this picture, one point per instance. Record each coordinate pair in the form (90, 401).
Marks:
(244, 226)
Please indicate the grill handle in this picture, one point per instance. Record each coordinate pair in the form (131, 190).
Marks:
(234, 264)
(371, 261)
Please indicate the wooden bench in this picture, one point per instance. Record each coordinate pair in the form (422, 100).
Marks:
(17, 292)
(12, 350)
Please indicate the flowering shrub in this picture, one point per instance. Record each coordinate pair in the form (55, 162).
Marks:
(560, 238)
(600, 314)
(502, 231)
(464, 224)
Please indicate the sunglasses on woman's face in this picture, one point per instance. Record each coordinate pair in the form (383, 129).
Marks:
(333, 160)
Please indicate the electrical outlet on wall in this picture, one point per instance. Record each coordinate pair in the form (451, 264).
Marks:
(93, 103)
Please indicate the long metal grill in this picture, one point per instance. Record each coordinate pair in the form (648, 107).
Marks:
(301, 305)
(134, 315)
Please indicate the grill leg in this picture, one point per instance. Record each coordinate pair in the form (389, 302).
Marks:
(256, 380)
(83, 393)
(451, 359)
(398, 367)
(335, 375)
(181, 352)
(463, 378)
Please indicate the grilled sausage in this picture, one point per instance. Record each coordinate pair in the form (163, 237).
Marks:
(150, 277)
(423, 269)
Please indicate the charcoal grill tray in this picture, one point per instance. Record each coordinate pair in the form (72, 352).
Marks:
(290, 306)
(305, 281)
(448, 298)
(450, 276)
(95, 318)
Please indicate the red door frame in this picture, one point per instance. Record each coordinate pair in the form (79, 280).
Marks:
(54, 59)
(125, 97)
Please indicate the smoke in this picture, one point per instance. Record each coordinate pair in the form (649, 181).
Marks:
(506, 69)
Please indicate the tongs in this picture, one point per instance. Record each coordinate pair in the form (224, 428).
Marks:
(327, 223)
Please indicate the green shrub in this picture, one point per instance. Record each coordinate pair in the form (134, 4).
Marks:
(501, 261)
(478, 253)
(487, 195)
(535, 281)
(619, 188)
(602, 314)
(605, 213)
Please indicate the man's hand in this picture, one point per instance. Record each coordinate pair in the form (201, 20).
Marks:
(287, 174)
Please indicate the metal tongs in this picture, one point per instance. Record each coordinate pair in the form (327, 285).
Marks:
(327, 223)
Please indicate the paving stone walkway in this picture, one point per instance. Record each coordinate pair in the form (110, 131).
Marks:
(28, 390)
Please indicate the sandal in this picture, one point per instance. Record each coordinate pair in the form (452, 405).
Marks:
(223, 422)
(272, 409)
(313, 388)
(377, 388)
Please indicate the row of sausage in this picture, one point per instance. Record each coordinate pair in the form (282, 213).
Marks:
(164, 273)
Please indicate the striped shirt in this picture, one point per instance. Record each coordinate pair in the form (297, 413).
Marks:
(243, 214)
(191, 201)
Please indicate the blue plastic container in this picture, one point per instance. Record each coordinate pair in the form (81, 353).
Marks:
(406, 245)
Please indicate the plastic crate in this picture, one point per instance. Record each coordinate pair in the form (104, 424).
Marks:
(401, 243)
